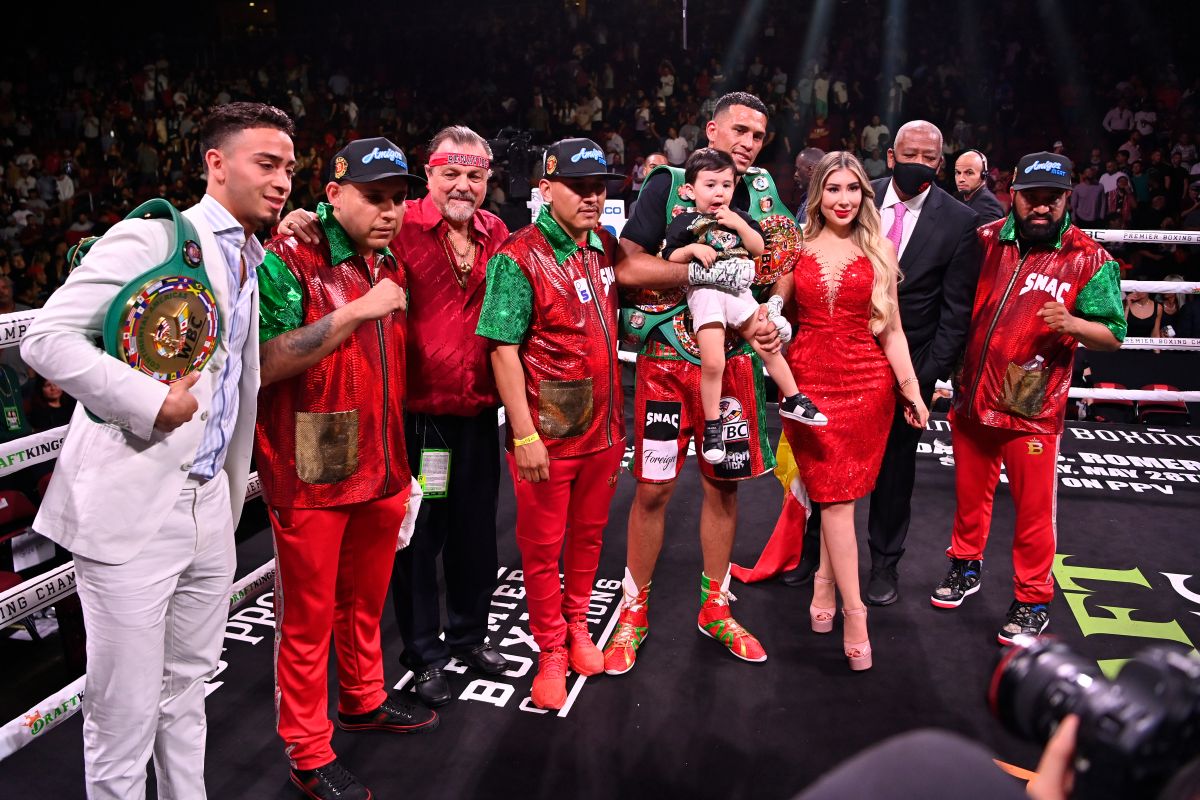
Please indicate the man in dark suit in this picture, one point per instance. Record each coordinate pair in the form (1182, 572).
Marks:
(934, 235)
(970, 176)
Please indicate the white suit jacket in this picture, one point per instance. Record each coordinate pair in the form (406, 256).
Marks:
(115, 482)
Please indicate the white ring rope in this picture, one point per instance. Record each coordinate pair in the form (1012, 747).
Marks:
(1148, 343)
(13, 326)
(1161, 287)
(47, 589)
(1079, 392)
(50, 713)
(1151, 237)
(29, 450)
(63, 704)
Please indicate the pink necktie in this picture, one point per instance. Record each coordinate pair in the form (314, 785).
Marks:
(897, 232)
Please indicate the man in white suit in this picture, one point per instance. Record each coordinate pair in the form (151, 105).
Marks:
(147, 500)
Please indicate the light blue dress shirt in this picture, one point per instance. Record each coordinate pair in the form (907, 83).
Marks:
(235, 246)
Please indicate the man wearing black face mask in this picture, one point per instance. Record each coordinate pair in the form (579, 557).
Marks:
(934, 237)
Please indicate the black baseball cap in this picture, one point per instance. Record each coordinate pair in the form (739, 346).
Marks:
(576, 158)
(1043, 171)
(366, 160)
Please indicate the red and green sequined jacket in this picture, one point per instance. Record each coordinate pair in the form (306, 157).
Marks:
(334, 434)
(1016, 371)
(565, 323)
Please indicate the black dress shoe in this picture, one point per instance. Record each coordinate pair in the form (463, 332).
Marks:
(330, 782)
(393, 716)
(881, 589)
(484, 658)
(802, 574)
(433, 688)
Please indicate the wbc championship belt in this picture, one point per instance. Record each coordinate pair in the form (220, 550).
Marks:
(165, 321)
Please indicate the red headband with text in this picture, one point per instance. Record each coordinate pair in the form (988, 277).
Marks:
(459, 160)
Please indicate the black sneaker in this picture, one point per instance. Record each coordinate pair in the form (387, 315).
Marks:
(394, 716)
(883, 588)
(963, 579)
(714, 446)
(800, 408)
(330, 782)
(1024, 619)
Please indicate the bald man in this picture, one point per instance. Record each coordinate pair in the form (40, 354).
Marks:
(806, 160)
(970, 176)
(934, 237)
(651, 163)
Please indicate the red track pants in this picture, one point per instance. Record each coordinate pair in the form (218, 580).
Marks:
(563, 515)
(334, 566)
(1031, 463)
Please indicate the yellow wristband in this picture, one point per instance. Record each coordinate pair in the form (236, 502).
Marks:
(530, 439)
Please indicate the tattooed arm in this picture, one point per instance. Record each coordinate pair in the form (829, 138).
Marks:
(295, 351)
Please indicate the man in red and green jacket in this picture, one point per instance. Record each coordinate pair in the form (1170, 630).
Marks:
(330, 450)
(1045, 287)
(550, 311)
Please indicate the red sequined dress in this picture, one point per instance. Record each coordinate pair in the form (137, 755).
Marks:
(841, 366)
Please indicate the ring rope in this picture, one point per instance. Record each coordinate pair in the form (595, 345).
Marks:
(48, 588)
(66, 702)
(1151, 237)
(23, 600)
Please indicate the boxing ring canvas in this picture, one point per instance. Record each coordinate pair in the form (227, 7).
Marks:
(690, 719)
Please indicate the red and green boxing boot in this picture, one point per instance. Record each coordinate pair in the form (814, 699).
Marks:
(717, 622)
(633, 625)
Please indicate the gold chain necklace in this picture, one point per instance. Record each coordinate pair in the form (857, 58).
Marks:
(461, 262)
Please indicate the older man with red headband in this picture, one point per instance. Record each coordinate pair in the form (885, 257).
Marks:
(450, 422)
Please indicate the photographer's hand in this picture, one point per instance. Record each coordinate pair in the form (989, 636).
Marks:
(1055, 777)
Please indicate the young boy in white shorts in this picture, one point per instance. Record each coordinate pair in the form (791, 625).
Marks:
(712, 233)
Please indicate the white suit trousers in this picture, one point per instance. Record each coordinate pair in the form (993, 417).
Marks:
(154, 629)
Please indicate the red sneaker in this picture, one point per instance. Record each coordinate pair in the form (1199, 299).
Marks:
(717, 622)
(583, 655)
(550, 683)
(632, 628)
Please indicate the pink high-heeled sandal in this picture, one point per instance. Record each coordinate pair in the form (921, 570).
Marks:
(857, 653)
(821, 618)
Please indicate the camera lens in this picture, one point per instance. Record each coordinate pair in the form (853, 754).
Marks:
(1037, 685)
(1134, 731)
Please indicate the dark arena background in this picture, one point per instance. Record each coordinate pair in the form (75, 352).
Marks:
(98, 111)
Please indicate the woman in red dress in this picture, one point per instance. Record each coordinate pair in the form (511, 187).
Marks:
(850, 354)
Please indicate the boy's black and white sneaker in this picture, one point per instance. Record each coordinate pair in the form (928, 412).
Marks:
(330, 782)
(714, 446)
(1024, 619)
(800, 408)
(961, 580)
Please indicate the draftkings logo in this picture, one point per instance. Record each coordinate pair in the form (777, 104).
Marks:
(37, 722)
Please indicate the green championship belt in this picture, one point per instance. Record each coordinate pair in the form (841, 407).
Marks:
(164, 322)
(646, 310)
